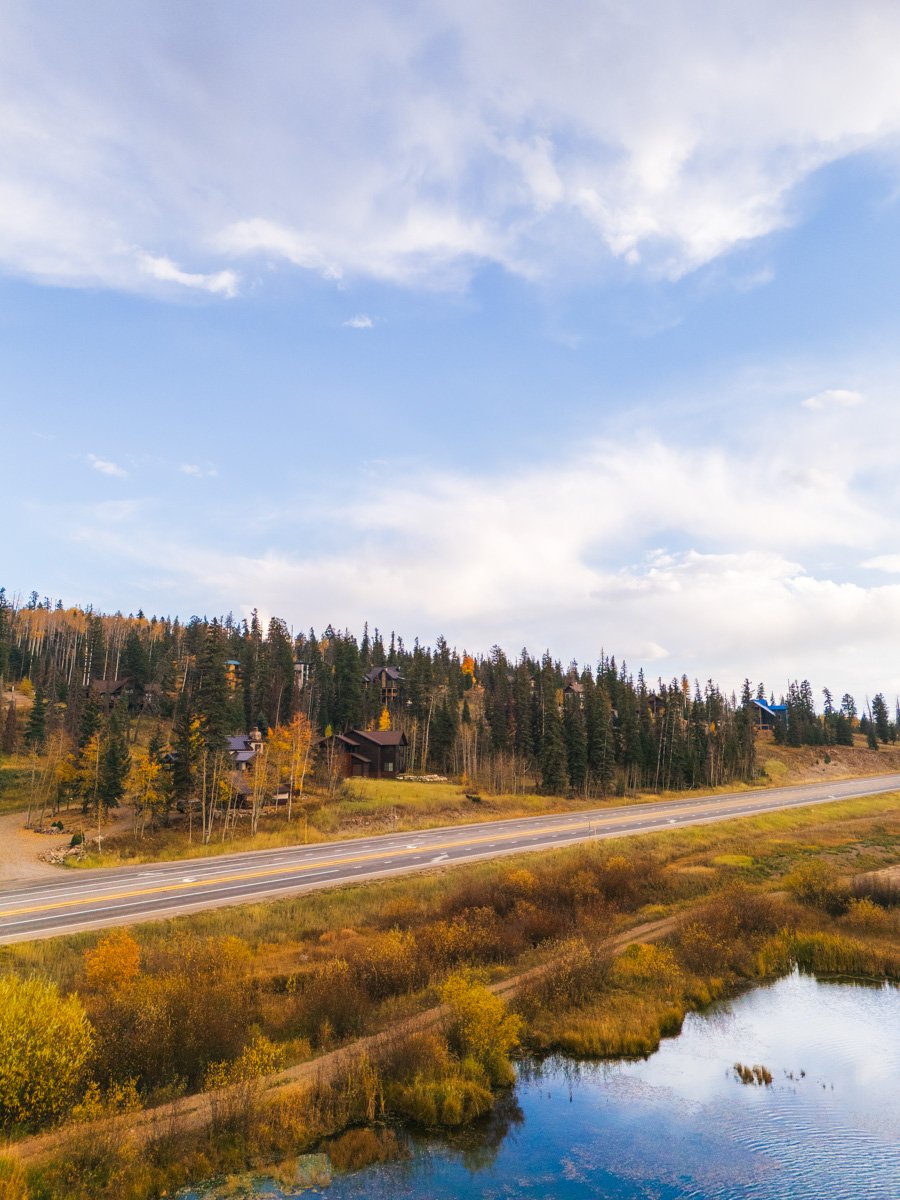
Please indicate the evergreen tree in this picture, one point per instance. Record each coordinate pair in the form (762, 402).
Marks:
(36, 725)
(188, 752)
(601, 738)
(576, 747)
(880, 718)
(212, 702)
(114, 762)
(554, 760)
(442, 736)
(10, 730)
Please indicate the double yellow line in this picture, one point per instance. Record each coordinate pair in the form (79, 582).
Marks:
(295, 868)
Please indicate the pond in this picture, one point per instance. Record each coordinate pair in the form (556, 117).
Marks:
(682, 1124)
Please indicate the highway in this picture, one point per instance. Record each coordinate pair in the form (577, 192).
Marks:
(81, 900)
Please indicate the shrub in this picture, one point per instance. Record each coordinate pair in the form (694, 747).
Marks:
(45, 1044)
(575, 975)
(817, 884)
(481, 1027)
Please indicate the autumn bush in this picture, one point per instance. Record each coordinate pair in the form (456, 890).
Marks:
(168, 1013)
(481, 1027)
(722, 935)
(818, 884)
(45, 1047)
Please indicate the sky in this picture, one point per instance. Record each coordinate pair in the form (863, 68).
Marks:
(552, 324)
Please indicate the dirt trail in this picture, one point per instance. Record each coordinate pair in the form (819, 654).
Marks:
(195, 1112)
(21, 848)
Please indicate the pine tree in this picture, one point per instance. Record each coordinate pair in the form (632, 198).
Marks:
(213, 706)
(114, 762)
(36, 726)
(554, 761)
(880, 718)
(601, 738)
(576, 747)
(10, 730)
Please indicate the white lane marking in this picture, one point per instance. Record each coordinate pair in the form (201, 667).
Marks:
(440, 858)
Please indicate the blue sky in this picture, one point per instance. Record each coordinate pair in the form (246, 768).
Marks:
(553, 324)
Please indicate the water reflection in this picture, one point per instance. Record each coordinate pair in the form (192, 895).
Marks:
(680, 1125)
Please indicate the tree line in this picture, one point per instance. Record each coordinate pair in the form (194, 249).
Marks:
(498, 722)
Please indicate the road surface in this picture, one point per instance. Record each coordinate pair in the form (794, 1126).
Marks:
(79, 900)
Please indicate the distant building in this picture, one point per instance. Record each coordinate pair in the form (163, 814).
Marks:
(111, 690)
(574, 693)
(767, 714)
(386, 682)
(243, 748)
(370, 754)
(233, 672)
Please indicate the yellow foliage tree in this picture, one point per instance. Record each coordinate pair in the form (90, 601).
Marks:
(384, 721)
(290, 749)
(146, 786)
(45, 1044)
(113, 964)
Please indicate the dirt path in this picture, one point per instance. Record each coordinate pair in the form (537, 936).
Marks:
(195, 1112)
(21, 848)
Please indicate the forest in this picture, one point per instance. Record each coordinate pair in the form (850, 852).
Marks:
(106, 706)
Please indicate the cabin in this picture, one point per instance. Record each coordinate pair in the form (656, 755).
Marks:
(656, 705)
(242, 748)
(767, 714)
(370, 754)
(111, 690)
(573, 693)
(386, 681)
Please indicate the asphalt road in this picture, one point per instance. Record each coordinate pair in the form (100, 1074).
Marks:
(80, 900)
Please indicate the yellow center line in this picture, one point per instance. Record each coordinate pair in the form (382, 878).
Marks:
(318, 865)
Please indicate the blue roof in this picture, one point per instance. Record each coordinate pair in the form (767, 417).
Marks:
(774, 710)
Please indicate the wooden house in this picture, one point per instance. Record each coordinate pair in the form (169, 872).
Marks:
(369, 754)
(386, 682)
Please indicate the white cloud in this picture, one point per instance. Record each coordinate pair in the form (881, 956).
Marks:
(709, 560)
(361, 321)
(834, 398)
(889, 563)
(220, 283)
(197, 471)
(105, 467)
(413, 147)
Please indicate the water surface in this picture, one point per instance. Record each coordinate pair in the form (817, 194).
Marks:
(681, 1125)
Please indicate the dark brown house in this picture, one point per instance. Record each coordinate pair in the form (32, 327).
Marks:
(372, 754)
(111, 690)
(385, 681)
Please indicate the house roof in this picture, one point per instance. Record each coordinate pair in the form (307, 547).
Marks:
(774, 710)
(577, 688)
(382, 737)
(237, 742)
(376, 672)
(109, 687)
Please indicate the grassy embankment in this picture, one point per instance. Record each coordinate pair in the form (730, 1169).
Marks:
(279, 983)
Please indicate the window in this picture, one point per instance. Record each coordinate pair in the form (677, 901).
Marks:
(388, 768)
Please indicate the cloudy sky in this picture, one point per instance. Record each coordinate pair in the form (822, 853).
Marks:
(548, 323)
